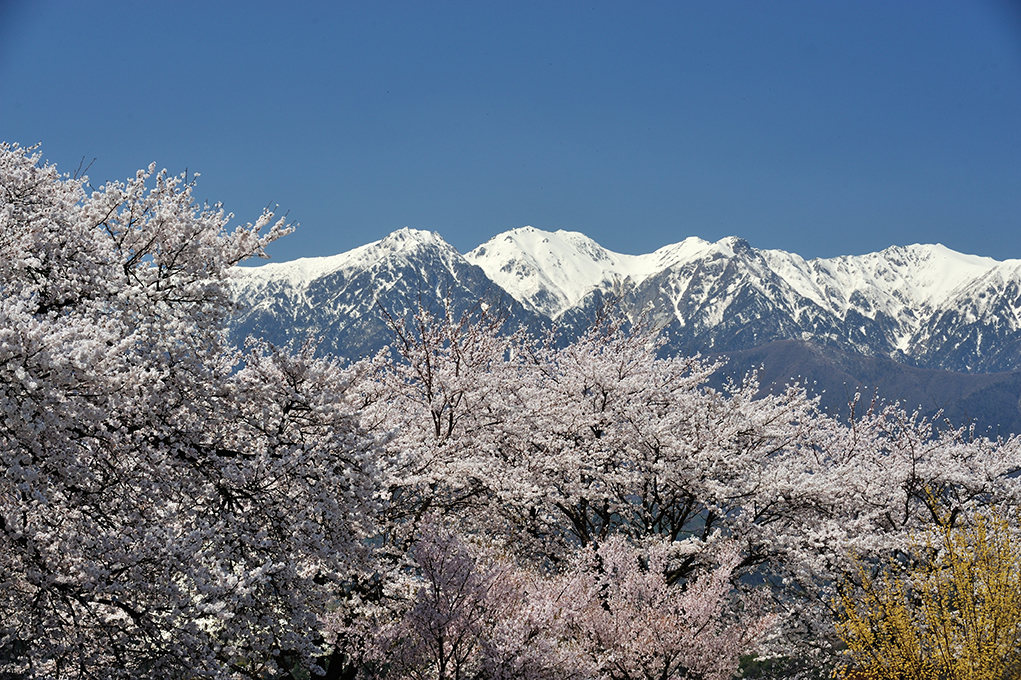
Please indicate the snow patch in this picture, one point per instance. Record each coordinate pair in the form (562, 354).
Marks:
(299, 273)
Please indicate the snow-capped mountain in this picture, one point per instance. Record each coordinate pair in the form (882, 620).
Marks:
(550, 273)
(921, 304)
(924, 305)
(341, 300)
(977, 327)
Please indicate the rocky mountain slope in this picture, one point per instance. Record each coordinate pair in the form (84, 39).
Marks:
(341, 300)
(917, 306)
(924, 305)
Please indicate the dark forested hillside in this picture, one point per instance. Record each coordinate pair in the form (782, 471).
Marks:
(990, 401)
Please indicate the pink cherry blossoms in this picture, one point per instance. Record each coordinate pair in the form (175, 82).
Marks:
(474, 502)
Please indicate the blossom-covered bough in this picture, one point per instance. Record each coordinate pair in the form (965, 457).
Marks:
(169, 506)
(545, 450)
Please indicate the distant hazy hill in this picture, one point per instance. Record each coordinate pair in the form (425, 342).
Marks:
(896, 320)
(989, 400)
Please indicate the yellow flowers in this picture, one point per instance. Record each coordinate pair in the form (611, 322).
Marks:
(952, 612)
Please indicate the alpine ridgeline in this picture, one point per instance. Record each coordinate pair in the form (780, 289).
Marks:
(911, 308)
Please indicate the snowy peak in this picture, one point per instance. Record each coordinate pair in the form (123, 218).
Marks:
(687, 250)
(919, 273)
(404, 243)
(548, 272)
(342, 301)
(902, 284)
(910, 302)
(935, 271)
(921, 304)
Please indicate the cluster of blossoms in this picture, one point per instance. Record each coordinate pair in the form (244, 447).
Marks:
(471, 503)
(169, 505)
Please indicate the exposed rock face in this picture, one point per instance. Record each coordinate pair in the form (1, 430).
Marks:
(923, 306)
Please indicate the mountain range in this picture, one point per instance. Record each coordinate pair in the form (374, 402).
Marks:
(889, 315)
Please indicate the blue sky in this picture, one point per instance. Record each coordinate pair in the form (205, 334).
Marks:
(823, 128)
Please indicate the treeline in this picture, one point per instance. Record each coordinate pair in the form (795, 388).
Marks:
(471, 503)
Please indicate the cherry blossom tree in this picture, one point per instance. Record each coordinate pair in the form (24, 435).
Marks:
(636, 625)
(468, 612)
(470, 503)
(169, 506)
(471, 613)
(549, 447)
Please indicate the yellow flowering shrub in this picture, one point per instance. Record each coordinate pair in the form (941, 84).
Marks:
(954, 616)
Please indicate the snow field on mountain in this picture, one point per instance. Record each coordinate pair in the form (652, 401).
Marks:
(904, 300)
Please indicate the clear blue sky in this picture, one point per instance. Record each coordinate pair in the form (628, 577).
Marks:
(819, 127)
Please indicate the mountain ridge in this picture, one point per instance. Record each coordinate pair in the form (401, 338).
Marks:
(935, 329)
(922, 305)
